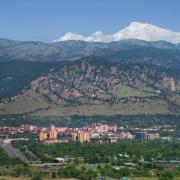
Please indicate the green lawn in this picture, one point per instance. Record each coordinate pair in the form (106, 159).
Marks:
(129, 91)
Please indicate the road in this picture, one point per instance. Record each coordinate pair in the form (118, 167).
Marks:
(11, 151)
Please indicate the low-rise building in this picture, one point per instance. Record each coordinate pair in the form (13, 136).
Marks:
(146, 136)
(140, 136)
(152, 136)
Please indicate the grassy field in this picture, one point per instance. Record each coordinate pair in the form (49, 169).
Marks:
(30, 101)
(122, 91)
(130, 108)
(127, 108)
(128, 91)
(38, 105)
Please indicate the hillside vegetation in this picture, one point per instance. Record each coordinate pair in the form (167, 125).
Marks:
(95, 86)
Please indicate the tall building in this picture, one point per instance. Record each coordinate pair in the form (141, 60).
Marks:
(87, 137)
(42, 136)
(52, 133)
(48, 136)
(81, 137)
(74, 136)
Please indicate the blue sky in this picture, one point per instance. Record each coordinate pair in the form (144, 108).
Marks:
(45, 20)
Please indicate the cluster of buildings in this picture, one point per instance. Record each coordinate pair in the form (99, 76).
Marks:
(84, 134)
(97, 132)
(6, 131)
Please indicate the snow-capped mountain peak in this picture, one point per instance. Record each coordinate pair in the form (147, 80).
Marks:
(135, 30)
(70, 36)
(147, 32)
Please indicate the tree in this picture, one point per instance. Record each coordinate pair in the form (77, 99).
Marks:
(37, 177)
(166, 175)
(53, 175)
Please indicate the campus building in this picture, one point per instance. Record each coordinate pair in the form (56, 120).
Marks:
(81, 137)
(49, 136)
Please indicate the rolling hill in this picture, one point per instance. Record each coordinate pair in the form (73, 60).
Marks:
(95, 86)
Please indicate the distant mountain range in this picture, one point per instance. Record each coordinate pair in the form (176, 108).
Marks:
(135, 30)
(132, 50)
(95, 75)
